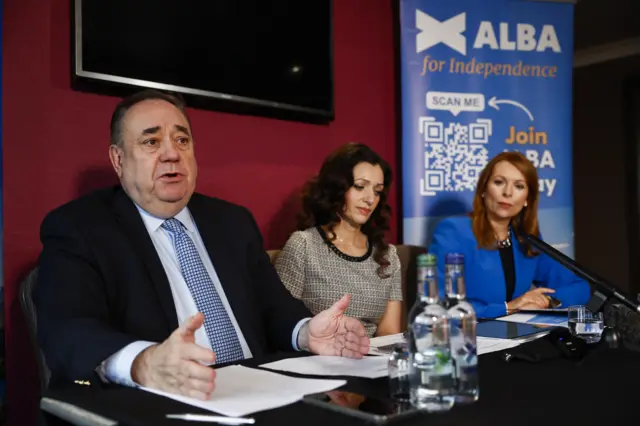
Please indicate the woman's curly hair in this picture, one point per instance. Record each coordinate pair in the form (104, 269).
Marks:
(323, 198)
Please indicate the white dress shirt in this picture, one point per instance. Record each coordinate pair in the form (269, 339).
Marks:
(117, 368)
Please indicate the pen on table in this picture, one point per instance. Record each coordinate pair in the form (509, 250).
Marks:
(209, 418)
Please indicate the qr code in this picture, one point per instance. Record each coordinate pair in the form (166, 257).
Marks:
(454, 155)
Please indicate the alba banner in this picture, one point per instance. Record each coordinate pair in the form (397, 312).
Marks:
(480, 78)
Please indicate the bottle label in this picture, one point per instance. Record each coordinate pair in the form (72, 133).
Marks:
(464, 348)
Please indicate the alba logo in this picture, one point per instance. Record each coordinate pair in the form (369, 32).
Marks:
(450, 33)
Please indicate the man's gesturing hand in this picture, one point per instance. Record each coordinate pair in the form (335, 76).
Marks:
(175, 365)
(331, 332)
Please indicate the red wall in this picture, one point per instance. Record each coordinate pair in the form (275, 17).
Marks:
(55, 143)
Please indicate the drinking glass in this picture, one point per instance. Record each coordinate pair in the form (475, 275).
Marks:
(585, 324)
(399, 372)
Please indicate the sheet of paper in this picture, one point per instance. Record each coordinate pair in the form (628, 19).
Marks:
(490, 344)
(319, 365)
(537, 319)
(384, 344)
(241, 391)
(387, 340)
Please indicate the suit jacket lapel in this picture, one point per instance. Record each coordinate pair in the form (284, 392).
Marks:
(129, 218)
(215, 237)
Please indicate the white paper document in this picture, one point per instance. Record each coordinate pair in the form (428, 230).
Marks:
(241, 391)
(370, 367)
(387, 340)
(490, 344)
(383, 345)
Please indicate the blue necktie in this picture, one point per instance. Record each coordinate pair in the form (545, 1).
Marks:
(217, 324)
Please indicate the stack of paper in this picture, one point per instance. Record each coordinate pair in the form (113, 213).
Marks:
(370, 367)
(241, 391)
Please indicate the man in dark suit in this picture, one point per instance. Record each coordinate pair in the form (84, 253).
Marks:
(148, 283)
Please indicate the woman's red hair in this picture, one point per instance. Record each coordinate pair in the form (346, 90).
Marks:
(526, 222)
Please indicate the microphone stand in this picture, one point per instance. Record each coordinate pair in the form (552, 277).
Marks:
(602, 290)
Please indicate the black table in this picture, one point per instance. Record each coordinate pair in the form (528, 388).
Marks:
(599, 390)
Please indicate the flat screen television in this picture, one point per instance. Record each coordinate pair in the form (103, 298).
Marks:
(262, 57)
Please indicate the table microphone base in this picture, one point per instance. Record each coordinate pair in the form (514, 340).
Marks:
(626, 324)
(611, 338)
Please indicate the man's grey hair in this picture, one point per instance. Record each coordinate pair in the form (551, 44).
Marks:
(145, 95)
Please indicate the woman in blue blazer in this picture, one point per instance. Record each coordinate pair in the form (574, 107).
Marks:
(500, 267)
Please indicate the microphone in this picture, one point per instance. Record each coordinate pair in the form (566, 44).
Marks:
(603, 290)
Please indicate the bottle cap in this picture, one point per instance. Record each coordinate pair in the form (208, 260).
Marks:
(454, 259)
(427, 259)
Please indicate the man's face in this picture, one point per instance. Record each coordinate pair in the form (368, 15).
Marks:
(156, 163)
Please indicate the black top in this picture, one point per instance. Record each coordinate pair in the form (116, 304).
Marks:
(345, 256)
(509, 268)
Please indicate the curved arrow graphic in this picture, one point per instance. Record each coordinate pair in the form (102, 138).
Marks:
(493, 102)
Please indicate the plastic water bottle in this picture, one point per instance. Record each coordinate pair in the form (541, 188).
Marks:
(464, 347)
(426, 284)
(454, 284)
(430, 365)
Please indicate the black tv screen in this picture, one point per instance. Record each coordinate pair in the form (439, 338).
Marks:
(263, 57)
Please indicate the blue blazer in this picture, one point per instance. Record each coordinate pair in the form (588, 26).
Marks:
(484, 275)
